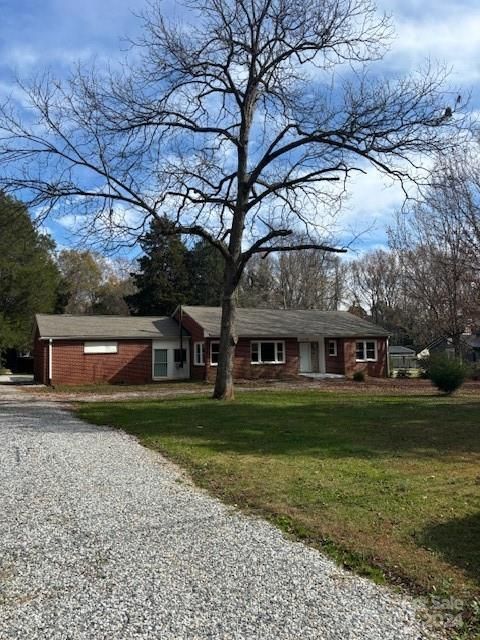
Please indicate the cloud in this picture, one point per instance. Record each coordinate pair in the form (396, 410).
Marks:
(446, 32)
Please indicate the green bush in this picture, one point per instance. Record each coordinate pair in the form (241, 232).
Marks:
(447, 374)
(359, 376)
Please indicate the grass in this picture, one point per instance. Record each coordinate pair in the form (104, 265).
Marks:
(387, 485)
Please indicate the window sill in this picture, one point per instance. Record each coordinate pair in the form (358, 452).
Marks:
(264, 363)
(367, 360)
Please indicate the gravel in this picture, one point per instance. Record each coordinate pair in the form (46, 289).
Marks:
(102, 538)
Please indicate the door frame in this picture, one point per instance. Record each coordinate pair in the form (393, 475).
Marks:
(316, 352)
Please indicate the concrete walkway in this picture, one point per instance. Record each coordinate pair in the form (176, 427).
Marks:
(101, 538)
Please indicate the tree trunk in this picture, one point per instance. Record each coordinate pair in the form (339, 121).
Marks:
(228, 339)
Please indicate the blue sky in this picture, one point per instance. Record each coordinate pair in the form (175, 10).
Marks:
(54, 33)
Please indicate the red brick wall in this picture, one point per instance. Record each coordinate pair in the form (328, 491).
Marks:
(335, 364)
(40, 360)
(376, 369)
(132, 363)
(197, 335)
(243, 368)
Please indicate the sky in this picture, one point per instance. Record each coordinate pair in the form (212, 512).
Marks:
(56, 33)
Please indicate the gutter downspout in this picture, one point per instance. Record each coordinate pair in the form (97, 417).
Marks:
(50, 360)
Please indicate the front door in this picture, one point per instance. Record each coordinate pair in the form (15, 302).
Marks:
(312, 357)
(160, 363)
(305, 357)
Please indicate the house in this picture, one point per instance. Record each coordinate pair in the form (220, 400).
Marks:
(403, 361)
(469, 347)
(271, 344)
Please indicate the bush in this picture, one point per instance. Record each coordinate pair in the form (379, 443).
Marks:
(447, 374)
(359, 376)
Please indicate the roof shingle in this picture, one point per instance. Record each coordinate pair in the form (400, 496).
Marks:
(78, 326)
(283, 323)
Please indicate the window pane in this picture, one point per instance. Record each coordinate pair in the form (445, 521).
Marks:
(199, 357)
(332, 348)
(214, 349)
(254, 347)
(280, 356)
(371, 350)
(360, 353)
(267, 352)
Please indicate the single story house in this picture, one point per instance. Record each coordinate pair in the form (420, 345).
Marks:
(271, 343)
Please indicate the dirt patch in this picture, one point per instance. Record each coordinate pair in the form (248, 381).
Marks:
(375, 386)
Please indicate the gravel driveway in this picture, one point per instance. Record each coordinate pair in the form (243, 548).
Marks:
(101, 538)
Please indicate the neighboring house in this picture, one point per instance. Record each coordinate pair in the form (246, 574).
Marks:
(469, 345)
(271, 344)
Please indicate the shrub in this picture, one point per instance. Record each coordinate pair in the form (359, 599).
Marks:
(447, 374)
(359, 376)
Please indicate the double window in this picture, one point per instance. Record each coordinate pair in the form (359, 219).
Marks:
(267, 352)
(199, 354)
(366, 350)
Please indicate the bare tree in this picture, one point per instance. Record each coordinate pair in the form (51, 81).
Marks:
(442, 283)
(455, 195)
(240, 126)
(310, 279)
(376, 284)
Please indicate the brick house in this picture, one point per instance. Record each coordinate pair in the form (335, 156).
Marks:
(271, 344)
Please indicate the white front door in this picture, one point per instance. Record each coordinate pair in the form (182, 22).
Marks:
(305, 357)
(312, 357)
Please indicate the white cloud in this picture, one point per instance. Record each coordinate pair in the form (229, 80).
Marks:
(444, 32)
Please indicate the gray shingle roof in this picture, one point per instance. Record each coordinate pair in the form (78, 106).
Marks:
(73, 326)
(284, 323)
(394, 350)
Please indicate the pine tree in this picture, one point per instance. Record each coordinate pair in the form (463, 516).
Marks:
(162, 281)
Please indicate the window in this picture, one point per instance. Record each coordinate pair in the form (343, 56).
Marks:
(199, 353)
(366, 350)
(100, 347)
(180, 355)
(214, 349)
(268, 352)
(332, 347)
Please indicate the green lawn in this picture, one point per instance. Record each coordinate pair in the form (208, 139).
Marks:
(388, 485)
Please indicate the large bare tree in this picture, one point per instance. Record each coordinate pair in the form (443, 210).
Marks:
(441, 279)
(241, 126)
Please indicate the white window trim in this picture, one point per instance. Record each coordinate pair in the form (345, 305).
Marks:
(213, 364)
(275, 342)
(335, 351)
(375, 359)
(199, 362)
(94, 347)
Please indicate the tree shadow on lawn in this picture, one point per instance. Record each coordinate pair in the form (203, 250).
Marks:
(323, 428)
(457, 541)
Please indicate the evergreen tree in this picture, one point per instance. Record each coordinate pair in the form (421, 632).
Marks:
(205, 266)
(162, 281)
(29, 278)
